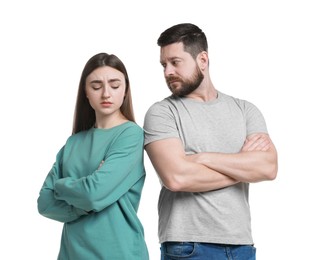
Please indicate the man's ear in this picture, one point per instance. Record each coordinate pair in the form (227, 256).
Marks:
(203, 61)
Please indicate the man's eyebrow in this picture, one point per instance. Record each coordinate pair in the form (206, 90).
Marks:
(171, 59)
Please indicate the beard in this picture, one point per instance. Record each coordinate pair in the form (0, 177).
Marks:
(186, 85)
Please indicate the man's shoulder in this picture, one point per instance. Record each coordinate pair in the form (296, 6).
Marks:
(239, 101)
(166, 102)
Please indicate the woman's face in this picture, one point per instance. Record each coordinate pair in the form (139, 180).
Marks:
(105, 90)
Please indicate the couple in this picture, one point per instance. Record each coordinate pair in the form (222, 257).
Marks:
(205, 145)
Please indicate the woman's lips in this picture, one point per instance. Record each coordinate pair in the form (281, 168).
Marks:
(106, 104)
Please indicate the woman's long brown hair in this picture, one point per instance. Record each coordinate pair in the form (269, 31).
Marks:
(84, 115)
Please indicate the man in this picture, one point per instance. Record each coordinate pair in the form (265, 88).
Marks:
(206, 147)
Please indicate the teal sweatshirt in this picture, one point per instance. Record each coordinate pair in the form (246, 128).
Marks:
(98, 206)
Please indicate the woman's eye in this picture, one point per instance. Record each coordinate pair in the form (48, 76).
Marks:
(115, 86)
(96, 87)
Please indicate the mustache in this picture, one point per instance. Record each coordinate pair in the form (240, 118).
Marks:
(170, 79)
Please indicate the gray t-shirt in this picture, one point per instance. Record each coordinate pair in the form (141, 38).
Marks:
(221, 125)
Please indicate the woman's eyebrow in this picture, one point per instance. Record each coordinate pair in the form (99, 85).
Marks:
(96, 81)
(100, 81)
(113, 80)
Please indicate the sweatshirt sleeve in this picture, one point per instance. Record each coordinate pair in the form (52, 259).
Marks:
(122, 168)
(48, 205)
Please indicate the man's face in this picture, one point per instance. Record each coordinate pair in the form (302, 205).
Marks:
(181, 71)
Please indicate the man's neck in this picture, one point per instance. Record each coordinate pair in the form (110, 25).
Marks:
(205, 92)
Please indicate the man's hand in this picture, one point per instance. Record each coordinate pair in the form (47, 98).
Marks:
(256, 142)
(256, 161)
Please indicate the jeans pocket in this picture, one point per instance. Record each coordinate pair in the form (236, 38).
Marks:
(178, 249)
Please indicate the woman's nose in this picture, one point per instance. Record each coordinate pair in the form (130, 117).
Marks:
(105, 92)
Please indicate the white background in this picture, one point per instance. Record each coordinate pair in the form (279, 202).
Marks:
(258, 51)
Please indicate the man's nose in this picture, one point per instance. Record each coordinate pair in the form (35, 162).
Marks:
(169, 70)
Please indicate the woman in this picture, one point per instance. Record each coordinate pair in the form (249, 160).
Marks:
(95, 185)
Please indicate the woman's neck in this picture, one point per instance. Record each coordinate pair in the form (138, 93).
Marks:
(110, 121)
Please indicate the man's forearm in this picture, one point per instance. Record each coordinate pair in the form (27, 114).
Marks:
(178, 173)
(253, 166)
(196, 177)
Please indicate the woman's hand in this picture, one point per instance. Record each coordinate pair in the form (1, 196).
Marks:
(101, 164)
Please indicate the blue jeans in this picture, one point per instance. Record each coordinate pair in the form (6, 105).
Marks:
(206, 251)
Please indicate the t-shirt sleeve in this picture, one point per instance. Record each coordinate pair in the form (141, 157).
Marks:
(160, 123)
(255, 122)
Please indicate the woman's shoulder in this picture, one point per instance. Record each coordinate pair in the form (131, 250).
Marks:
(79, 135)
(127, 127)
(132, 127)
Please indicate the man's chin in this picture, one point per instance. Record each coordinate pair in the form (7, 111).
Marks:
(174, 86)
(176, 93)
